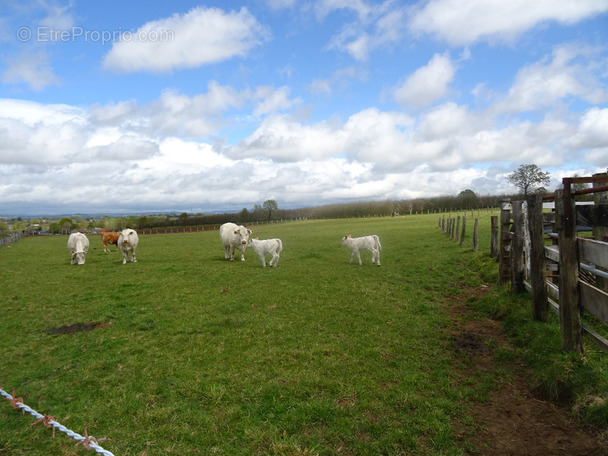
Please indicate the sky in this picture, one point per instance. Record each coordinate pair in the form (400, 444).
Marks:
(142, 107)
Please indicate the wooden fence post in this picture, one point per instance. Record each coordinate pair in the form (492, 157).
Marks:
(517, 250)
(464, 227)
(504, 255)
(475, 236)
(569, 307)
(538, 268)
(494, 237)
(457, 230)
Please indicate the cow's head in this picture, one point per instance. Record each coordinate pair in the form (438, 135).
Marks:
(77, 257)
(243, 234)
(345, 239)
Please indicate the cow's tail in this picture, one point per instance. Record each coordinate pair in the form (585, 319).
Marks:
(280, 249)
(378, 242)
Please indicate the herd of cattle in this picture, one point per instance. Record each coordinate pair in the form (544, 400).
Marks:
(234, 237)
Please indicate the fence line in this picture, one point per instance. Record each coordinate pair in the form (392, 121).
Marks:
(451, 227)
(87, 441)
(12, 238)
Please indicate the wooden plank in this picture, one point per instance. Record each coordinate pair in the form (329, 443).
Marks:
(552, 252)
(595, 252)
(594, 301)
(517, 263)
(597, 339)
(538, 269)
(553, 290)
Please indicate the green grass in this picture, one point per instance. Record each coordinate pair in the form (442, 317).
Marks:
(205, 356)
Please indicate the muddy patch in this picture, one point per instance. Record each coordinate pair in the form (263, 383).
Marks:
(76, 327)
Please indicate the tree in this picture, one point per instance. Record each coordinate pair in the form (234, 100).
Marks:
(65, 225)
(244, 217)
(468, 199)
(270, 206)
(528, 177)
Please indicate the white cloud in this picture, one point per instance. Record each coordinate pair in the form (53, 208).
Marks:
(463, 22)
(592, 131)
(427, 84)
(199, 37)
(543, 83)
(375, 27)
(32, 68)
(273, 100)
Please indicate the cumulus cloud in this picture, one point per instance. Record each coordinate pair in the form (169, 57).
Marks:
(592, 131)
(427, 84)
(542, 83)
(463, 22)
(199, 37)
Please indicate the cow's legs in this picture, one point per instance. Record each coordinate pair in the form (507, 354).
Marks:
(275, 260)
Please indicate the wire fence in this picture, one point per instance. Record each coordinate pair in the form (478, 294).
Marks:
(87, 441)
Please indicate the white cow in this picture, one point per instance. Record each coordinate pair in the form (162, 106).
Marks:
(371, 243)
(267, 246)
(234, 237)
(78, 244)
(127, 242)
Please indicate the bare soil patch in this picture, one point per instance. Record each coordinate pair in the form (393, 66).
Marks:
(514, 421)
(76, 327)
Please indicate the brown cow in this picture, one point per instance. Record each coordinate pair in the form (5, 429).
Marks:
(109, 237)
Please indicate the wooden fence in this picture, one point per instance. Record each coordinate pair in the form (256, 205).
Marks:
(561, 257)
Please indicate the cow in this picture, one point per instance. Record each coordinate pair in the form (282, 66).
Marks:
(127, 242)
(109, 237)
(267, 246)
(78, 244)
(234, 237)
(371, 243)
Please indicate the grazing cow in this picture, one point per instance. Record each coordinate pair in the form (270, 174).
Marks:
(234, 236)
(109, 237)
(127, 242)
(267, 246)
(371, 243)
(78, 244)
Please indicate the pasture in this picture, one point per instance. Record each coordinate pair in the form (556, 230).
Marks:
(193, 354)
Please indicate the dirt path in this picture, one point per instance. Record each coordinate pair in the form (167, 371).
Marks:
(513, 422)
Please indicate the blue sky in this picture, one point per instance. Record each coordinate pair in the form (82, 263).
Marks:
(217, 106)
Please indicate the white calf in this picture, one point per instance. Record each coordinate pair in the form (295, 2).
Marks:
(127, 242)
(78, 244)
(371, 243)
(234, 237)
(267, 246)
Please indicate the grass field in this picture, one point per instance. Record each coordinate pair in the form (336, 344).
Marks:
(198, 355)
